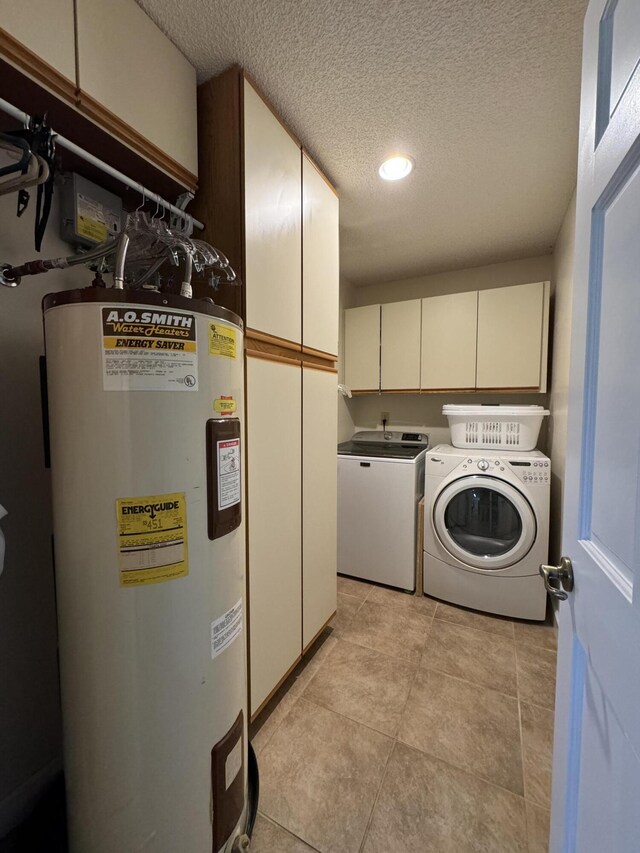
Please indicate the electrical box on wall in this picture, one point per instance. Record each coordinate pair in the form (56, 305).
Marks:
(90, 214)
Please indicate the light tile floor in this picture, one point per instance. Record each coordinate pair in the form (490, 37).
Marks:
(415, 726)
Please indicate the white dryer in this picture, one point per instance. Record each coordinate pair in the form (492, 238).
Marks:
(486, 529)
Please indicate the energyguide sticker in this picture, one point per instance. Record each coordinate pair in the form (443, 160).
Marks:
(152, 538)
(226, 629)
(149, 350)
(229, 480)
(222, 340)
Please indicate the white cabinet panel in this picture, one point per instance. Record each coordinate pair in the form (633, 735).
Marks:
(362, 348)
(400, 346)
(130, 67)
(46, 27)
(274, 522)
(512, 336)
(449, 328)
(273, 233)
(319, 500)
(320, 261)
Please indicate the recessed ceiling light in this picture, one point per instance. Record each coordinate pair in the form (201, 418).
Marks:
(395, 168)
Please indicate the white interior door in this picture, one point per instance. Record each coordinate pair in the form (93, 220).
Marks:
(596, 774)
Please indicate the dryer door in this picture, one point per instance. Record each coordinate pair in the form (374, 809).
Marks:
(484, 522)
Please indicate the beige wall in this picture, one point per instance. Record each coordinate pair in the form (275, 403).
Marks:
(345, 406)
(30, 735)
(562, 293)
(424, 412)
(458, 281)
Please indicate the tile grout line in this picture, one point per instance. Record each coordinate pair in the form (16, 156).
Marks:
(288, 831)
(377, 796)
(415, 678)
(474, 683)
(522, 755)
(394, 742)
(464, 770)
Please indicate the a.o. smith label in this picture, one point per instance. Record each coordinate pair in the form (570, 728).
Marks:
(149, 350)
(152, 538)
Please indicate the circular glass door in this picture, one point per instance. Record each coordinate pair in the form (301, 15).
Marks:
(484, 522)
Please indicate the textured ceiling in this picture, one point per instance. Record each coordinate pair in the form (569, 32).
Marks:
(483, 94)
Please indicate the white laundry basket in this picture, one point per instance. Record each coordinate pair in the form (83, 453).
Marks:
(495, 427)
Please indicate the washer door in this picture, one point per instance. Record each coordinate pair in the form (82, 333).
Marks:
(484, 522)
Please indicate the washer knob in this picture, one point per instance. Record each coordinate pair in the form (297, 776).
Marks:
(483, 464)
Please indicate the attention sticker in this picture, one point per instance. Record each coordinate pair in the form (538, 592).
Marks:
(222, 340)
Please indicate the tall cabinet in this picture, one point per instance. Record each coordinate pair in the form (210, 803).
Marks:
(275, 215)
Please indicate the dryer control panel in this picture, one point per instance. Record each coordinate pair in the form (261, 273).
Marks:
(531, 470)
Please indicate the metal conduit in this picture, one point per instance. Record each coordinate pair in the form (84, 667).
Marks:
(18, 115)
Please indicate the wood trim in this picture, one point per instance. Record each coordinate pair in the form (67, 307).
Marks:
(310, 365)
(315, 639)
(318, 353)
(399, 390)
(114, 124)
(264, 704)
(533, 389)
(259, 91)
(263, 337)
(526, 390)
(448, 390)
(269, 356)
(320, 172)
(220, 200)
(32, 64)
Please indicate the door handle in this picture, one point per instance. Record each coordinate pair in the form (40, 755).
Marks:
(558, 580)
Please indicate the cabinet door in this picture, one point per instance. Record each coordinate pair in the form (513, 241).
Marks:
(512, 336)
(319, 500)
(400, 346)
(46, 27)
(130, 67)
(320, 261)
(449, 331)
(273, 238)
(274, 523)
(362, 348)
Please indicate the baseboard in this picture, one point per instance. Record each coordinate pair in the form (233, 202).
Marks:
(19, 803)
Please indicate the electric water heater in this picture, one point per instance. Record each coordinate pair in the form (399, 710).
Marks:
(145, 411)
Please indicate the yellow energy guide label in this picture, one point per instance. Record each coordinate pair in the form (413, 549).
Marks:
(152, 539)
(222, 340)
(148, 350)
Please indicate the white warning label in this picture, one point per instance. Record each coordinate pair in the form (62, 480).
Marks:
(228, 473)
(226, 629)
(149, 350)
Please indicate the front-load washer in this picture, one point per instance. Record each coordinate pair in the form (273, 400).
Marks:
(486, 529)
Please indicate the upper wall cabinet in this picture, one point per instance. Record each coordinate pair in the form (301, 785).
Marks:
(512, 337)
(320, 261)
(45, 27)
(273, 227)
(362, 348)
(400, 346)
(449, 325)
(131, 76)
(489, 339)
